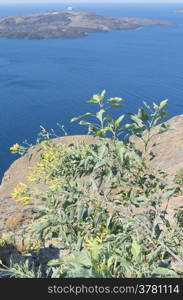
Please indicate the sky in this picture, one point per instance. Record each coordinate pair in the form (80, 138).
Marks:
(89, 1)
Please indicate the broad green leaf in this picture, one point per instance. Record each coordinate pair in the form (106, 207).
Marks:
(139, 201)
(136, 248)
(101, 151)
(42, 208)
(115, 105)
(100, 164)
(124, 262)
(82, 211)
(97, 218)
(93, 100)
(39, 228)
(168, 194)
(55, 262)
(138, 121)
(163, 129)
(80, 117)
(97, 98)
(108, 175)
(79, 243)
(95, 250)
(119, 120)
(108, 222)
(166, 127)
(99, 115)
(143, 115)
(164, 272)
(80, 258)
(115, 100)
(156, 107)
(146, 105)
(163, 103)
(126, 126)
(153, 255)
(171, 127)
(84, 123)
(102, 95)
(162, 115)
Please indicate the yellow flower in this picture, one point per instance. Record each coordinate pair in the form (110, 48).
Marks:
(48, 156)
(20, 193)
(104, 231)
(32, 178)
(93, 241)
(98, 240)
(102, 267)
(89, 243)
(15, 148)
(4, 239)
(54, 184)
(24, 200)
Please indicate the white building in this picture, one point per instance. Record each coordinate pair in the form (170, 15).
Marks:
(70, 8)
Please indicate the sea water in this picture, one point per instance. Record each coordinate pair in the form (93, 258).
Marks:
(44, 82)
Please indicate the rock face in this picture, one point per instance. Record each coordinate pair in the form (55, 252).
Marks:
(169, 148)
(60, 24)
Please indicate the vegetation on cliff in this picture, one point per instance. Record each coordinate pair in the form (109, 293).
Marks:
(102, 205)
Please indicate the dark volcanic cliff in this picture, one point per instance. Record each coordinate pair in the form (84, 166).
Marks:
(60, 24)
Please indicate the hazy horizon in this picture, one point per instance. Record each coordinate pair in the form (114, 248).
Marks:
(90, 1)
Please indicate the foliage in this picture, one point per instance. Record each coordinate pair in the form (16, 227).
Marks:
(18, 149)
(179, 216)
(179, 176)
(104, 201)
(20, 270)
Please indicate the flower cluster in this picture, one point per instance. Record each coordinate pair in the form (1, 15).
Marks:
(21, 193)
(17, 149)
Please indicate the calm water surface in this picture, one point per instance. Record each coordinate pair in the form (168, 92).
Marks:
(48, 81)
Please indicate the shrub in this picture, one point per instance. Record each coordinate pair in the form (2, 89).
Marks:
(92, 195)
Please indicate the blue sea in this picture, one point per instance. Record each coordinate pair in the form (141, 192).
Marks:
(44, 82)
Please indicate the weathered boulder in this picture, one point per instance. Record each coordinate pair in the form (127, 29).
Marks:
(169, 147)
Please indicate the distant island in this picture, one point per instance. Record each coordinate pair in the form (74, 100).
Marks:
(67, 24)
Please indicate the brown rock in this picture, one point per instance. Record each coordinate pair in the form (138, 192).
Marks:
(169, 150)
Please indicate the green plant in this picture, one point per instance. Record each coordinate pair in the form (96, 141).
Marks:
(104, 123)
(179, 176)
(20, 270)
(93, 194)
(179, 216)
